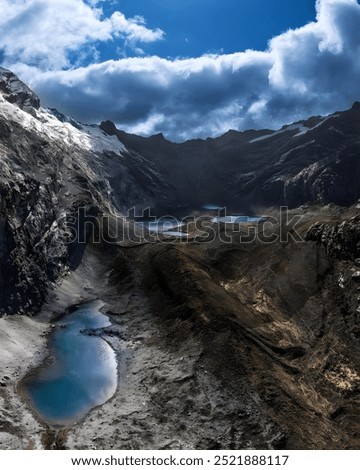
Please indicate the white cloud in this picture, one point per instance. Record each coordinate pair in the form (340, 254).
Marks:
(311, 70)
(44, 32)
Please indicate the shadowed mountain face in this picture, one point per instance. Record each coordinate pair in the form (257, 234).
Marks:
(231, 345)
(313, 161)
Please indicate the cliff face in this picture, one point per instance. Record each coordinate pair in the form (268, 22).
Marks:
(34, 208)
(341, 241)
(50, 167)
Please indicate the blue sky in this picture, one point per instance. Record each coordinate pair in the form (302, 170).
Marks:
(186, 68)
(197, 27)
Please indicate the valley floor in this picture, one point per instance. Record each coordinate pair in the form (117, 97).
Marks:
(220, 346)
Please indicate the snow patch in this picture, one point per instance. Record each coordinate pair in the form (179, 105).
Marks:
(306, 129)
(47, 125)
(299, 147)
(293, 127)
(332, 128)
(302, 130)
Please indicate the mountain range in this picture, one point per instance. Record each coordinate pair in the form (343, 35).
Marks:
(243, 345)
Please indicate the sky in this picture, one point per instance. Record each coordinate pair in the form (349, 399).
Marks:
(186, 68)
(196, 27)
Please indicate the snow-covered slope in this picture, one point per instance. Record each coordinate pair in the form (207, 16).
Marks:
(45, 124)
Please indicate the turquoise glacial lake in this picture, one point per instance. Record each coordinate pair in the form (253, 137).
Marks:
(81, 372)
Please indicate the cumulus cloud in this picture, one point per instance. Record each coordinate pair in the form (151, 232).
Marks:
(152, 94)
(311, 70)
(45, 33)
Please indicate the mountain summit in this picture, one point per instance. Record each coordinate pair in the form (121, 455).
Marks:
(16, 92)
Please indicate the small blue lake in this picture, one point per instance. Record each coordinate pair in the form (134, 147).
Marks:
(82, 370)
(167, 226)
(212, 207)
(236, 219)
(164, 224)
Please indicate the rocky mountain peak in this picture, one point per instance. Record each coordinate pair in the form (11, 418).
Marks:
(108, 127)
(16, 92)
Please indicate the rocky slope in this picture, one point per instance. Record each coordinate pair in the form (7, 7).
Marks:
(16, 92)
(278, 325)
